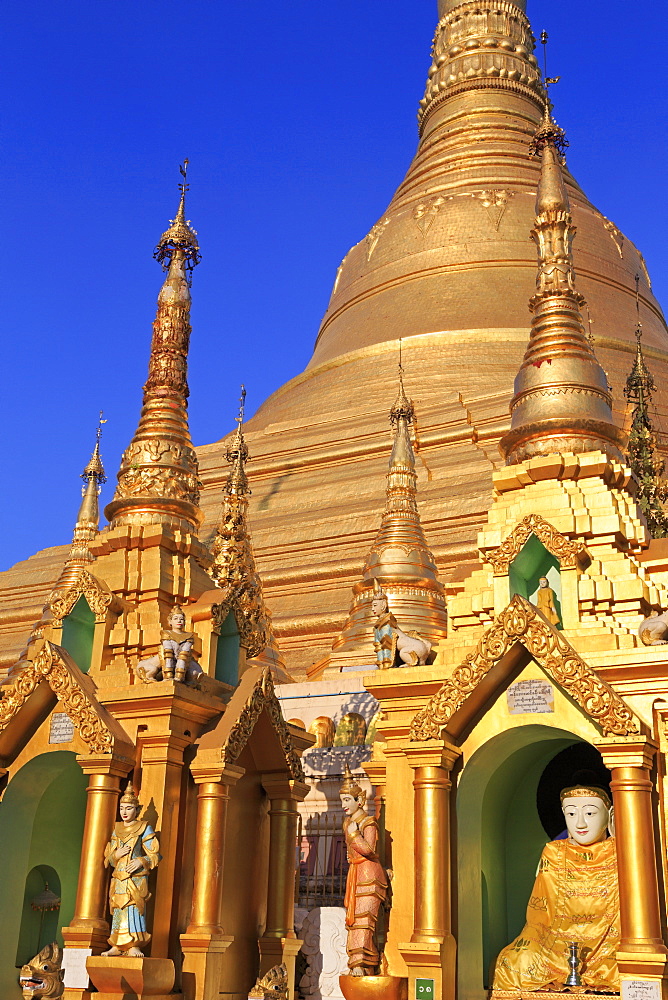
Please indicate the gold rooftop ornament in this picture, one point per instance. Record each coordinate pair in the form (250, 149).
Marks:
(562, 401)
(158, 481)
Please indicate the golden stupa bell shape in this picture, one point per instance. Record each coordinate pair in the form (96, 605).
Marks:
(158, 480)
(561, 402)
(400, 559)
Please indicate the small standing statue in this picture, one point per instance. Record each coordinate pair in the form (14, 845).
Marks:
(545, 601)
(366, 885)
(132, 852)
(394, 648)
(573, 912)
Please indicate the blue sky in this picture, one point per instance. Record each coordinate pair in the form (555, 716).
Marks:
(299, 122)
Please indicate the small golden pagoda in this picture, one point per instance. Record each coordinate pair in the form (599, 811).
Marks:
(86, 708)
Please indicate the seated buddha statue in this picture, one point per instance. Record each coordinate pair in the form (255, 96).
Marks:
(575, 899)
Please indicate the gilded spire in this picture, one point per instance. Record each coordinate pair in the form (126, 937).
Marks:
(233, 566)
(645, 464)
(158, 478)
(400, 558)
(562, 401)
(87, 523)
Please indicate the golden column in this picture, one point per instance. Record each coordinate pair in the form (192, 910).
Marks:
(279, 943)
(642, 952)
(205, 942)
(89, 927)
(432, 948)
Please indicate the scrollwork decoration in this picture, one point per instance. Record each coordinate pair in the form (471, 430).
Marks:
(522, 622)
(567, 552)
(49, 666)
(97, 596)
(262, 697)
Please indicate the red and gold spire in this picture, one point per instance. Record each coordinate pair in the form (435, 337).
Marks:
(158, 478)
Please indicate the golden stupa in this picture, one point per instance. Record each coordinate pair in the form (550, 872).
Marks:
(448, 270)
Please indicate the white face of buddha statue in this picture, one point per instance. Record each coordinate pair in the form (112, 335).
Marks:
(349, 804)
(128, 811)
(586, 818)
(543, 583)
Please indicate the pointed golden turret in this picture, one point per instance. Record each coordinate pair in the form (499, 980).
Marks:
(158, 478)
(87, 524)
(562, 401)
(233, 566)
(399, 557)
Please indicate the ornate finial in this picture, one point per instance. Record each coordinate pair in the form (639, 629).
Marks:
(180, 236)
(349, 785)
(237, 454)
(548, 131)
(158, 481)
(94, 468)
(403, 406)
(646, 466)
(562, 400)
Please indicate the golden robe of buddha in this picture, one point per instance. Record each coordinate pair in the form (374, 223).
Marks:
(545, 601)
(575, 898)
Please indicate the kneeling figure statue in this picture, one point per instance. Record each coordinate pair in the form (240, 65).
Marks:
(394, 648)
(575, 901)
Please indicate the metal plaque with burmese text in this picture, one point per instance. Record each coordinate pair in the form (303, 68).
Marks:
(530, 697)
(62, 728)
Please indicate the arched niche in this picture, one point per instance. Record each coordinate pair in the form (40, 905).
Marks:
(39, 927)
(531, 563)
(41, 824)
(227, 652)
(351, 731)
(499, 841)
(78, 634)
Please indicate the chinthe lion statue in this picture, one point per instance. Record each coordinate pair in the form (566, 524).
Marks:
(43, 975)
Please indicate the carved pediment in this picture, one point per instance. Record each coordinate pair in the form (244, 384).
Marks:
(522, 623)
(569, 553)
(253, 622)
(98, 597)
(254, 695)
(101, 733)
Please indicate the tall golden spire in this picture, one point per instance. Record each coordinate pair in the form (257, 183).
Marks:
(399, 558)
(88, 521)
(562, 401)
(158, 478)
(233, 566)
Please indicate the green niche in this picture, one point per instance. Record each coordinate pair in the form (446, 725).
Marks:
(227, 651)
(78, 632)
(500, 838)
(38, 927)
(532, 562)
(41, 828)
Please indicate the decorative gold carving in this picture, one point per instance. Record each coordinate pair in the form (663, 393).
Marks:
(616, 235)
(482, 43)
(97, 596)
(274, 984)
(262, 697)
(50, 666)
(521, 622)
(495, 202)
(426, 211)
(373, 237)
(567, 552)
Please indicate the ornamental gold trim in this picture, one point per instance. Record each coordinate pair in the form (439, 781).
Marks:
(522, 622)
(97, 595)
(82, 709)
(568, 553)
(262, 698)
